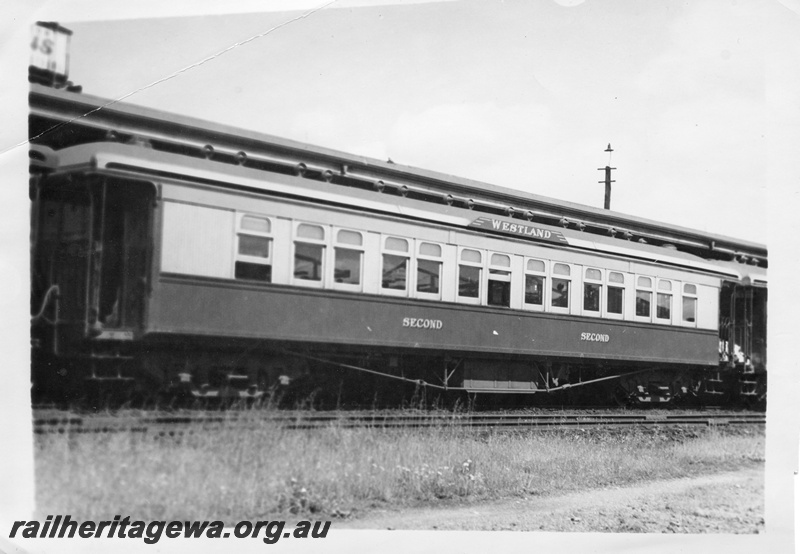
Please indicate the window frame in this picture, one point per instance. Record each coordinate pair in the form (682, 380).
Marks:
(296, 224)
(405, 293)
(557, 276)
(638, 288)
(599, 312)
(335, 246)
(692, 296)
(536, 273)
(246, 258)
(427, 257)
(506, 276)
(669, 293)
(621, 286)
(480, 265)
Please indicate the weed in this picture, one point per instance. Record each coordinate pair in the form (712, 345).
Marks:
(232, 473)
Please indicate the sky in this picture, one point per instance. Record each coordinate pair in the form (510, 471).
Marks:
(523, 94)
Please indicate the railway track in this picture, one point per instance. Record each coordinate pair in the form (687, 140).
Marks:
(54, 422)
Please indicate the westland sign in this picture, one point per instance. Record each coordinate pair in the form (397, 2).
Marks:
(518, 229)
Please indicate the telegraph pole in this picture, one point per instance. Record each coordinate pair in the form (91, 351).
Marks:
(607, 180)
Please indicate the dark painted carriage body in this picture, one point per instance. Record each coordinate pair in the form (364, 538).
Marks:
(142, 275)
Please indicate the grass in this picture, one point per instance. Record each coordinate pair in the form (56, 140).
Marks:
(231, 474)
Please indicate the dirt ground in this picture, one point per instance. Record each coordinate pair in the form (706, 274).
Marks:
(730, 502)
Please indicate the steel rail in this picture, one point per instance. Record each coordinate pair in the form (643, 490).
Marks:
(179, 424)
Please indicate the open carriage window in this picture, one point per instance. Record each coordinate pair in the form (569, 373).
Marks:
(254, 249)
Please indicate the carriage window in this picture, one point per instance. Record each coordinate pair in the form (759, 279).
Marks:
(499, 293)
(253, 250)
(469, 279)
(535, 265)
(430, 249)
(254, 246)
(398, 245)
(308, 261)
(349, 237)
(690, 303)
(534, 289)
(499, 287)
(469, 274)
(689, 309)
(643, 297)
(395, 264)
(258, 224)
(500, 260)
(664, 300)
(314, 232)
(561, 269)
(308, 252)
(471, 256)
(592, 291)
(429, 268)
(615, 293)
(428, 275)
(560, 288)
(395, 269)
(347, 268)
(534, 284)
(348, 254)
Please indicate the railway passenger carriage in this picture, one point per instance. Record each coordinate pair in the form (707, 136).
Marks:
(177, 256)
